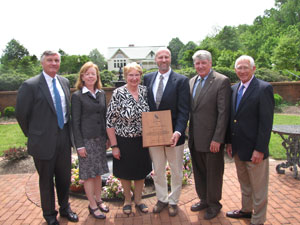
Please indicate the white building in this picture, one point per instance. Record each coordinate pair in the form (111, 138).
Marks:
(121, 56)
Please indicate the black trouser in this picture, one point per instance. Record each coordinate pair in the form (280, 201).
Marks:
(59, 167)
(208, 169)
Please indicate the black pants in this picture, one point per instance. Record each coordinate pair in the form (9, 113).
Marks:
(208, 169)
(59, 167)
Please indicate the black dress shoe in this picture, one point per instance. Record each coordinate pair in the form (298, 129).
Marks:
(69, 214)
(198, 207)
(238, 214)
(211, 213)
(52, 221)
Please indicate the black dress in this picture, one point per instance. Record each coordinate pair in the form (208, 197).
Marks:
(125, 115)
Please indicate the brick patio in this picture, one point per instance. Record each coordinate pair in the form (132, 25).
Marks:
(19, 203)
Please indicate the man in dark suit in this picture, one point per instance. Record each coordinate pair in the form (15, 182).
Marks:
(168, 90)
(252, 108)
(43, 113)
(210, 97)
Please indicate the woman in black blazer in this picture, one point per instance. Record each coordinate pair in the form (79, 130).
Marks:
(89, 128)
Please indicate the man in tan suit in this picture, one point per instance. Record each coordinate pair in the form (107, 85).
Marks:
(210, 105)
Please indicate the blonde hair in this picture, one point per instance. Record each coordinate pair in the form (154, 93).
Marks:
(80, 83)
(131, 66)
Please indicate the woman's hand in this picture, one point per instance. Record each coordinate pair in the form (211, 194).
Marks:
(82, 152)
(116, 153)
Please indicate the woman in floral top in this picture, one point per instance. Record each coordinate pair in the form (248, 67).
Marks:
(124, 128)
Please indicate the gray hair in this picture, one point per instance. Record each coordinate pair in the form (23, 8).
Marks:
(245, 57)
(202, 55)
(162, 49)
(49, 52)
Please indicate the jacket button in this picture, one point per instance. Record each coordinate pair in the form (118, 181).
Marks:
(235, 121)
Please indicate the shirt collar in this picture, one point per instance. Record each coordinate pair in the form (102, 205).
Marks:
(85, 90)
(48, 77)
(165, 75)
(247, 83)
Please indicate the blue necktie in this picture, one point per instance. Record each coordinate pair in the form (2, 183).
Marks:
(239, 97)
(59, 112)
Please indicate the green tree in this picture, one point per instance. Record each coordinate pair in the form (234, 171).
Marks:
(72, 63)
(228, 39)
(175, 46)
(97, 58)
(189, 46)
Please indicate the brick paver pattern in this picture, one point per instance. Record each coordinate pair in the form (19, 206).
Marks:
(19, 203)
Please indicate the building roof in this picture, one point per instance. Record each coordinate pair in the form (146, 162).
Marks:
(133, 52)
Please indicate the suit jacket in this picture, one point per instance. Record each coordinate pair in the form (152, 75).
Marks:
(88, 116)
(210, 113)
(250, 127)
(36, 115)
(175, 98)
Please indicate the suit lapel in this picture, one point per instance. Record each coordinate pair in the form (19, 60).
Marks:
(150, 90)
(209, 81)
(45, 90)
(248, 92)
(233, 97)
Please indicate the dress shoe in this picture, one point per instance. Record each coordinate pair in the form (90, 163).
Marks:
(238, 214)
(159, 206)
(102, 206)
(92, 211)
(69, 214)
(256, 224)
(198, 206)
(52, 221)
(173, 210)
(211, 213)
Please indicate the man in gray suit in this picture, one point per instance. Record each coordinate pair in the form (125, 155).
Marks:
(210, 102)
(43, 113)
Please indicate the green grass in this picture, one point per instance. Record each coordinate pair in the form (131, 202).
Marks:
(11, 135)
(276, 149)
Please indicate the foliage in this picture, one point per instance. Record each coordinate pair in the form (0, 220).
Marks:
(72, 63)
(72, 78)
(9, 111)
(11, 82)
(270, 75)
(175, 45)
(97, 58)
(107, 78)
(16, 153)
(230, 73)
(189, 72)
(113, 188)
(278, 99)
(13, 53)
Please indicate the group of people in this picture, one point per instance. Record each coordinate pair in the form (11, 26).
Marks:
(238, 119)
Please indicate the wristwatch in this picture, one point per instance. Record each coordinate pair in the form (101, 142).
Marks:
(114, 146)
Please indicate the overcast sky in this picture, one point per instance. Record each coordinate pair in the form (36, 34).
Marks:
(78, 26)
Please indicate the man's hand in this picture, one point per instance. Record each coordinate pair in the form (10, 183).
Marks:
(229, 150)
(175, 139)
(215, 146)
(257, 157)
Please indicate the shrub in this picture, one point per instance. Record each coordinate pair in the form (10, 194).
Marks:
(270, 75)
(72, 78)
(230, 73)
(278, 100)
(16, 153)
(11, 82)
(9, 111)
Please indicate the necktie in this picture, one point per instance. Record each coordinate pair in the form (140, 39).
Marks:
(239, 97)
(198, 88)
(160, 91)
(58, 107)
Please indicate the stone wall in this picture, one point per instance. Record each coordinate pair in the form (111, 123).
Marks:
(290, 92)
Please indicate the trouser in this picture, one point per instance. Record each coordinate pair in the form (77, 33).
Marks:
(174, 156)
(254, 181)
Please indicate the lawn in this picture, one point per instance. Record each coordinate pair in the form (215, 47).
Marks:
(12, 136)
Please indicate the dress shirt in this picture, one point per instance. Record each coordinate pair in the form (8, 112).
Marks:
(85, 90)
(157, 79)
(61, 93)
(245, 84)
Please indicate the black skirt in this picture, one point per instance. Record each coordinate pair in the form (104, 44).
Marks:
(135, 162)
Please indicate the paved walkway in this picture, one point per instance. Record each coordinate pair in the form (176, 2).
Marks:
(19, 203)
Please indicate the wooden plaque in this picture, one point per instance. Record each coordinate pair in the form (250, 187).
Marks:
(157, 128)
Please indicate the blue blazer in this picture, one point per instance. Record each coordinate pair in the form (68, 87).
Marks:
(251, 125)
(175, 98)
